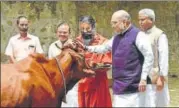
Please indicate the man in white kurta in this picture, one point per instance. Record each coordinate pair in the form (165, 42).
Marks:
(63, 35)
(22, 44)
(157, 93)
(121, 23)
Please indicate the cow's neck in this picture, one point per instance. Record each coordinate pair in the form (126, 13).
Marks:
(55, 75)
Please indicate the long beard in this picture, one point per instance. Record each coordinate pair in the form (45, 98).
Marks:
(87, 37)
(87, 41)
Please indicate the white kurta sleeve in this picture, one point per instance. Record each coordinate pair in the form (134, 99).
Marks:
(143, 44)
(163, 54)
(9, 48)
(107, 46)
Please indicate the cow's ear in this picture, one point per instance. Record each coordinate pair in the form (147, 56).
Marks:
(39, 57)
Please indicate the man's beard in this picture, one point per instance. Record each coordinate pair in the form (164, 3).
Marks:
(87, 37)
(87, 41)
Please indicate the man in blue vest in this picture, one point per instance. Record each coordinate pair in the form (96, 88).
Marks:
(132, 60)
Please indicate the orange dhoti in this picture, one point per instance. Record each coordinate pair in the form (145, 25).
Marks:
(95, 92)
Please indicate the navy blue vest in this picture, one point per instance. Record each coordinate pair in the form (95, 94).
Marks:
(127, 62)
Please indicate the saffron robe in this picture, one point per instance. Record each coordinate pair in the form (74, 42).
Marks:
(94, 91)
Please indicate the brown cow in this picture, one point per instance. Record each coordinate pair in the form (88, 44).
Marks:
(36, 81)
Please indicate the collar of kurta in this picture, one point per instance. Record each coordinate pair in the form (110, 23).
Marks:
(59, 44)
(150, 30)
(24, 38)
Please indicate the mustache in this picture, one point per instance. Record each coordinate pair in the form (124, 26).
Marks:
(87, 35)
(24, 30)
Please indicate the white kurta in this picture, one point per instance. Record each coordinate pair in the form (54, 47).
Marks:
(156, 98)
(55, 48)
(72, 95)
(142, 43)
(20, 48)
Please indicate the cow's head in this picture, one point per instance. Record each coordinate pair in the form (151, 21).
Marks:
(79, 66)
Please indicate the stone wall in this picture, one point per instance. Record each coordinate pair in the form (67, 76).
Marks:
(44, 16)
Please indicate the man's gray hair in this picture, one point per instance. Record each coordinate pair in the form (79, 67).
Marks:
(123, 15)
(149, 13)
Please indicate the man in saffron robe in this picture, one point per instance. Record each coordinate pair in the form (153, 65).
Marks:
(93, 91)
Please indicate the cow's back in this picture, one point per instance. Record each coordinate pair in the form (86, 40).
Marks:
(26, 84)
(36, 78)
(14, 89)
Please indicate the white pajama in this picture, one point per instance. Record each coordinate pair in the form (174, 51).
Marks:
(154, 98)
(163, 98)
(150, 95)
(71, 97)
(129, 100)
